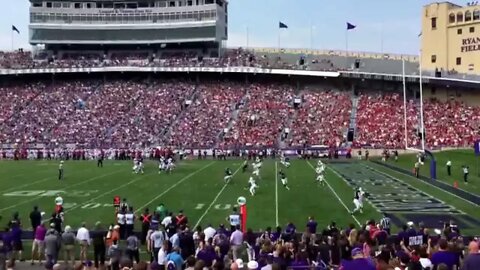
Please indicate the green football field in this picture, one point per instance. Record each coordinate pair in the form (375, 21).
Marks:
(459, 158)
(197, 188)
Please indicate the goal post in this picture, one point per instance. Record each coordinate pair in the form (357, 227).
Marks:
(422, 149)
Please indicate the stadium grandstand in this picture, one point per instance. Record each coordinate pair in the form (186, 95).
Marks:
(153, 82)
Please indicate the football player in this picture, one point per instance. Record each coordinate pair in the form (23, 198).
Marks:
(358, 201)
(283, 179)
(228, 175)
(320, 175)
(252, 186)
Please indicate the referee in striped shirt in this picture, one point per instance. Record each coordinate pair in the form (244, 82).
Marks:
(385, 222)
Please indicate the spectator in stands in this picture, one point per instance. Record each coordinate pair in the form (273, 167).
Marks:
(472, 261)
(444, 256)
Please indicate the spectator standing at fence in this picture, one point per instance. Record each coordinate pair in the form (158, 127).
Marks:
(52, 246)
(83, 237)
(133, 248)
(115, 254)
(99, 246)
(156, 241)
(449, 168)
(38, 246)
(35, 218)
(312, 225)
(68, 242)
(236, 242)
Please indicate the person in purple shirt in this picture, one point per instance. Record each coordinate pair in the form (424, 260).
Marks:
(290, 231)
(443, 255)
(7, 242)
(359, 262)
(17, 243)
(300, 262)
(38, 243)
(206, 254)
(277, 234)
(312, 225)
(402, 235)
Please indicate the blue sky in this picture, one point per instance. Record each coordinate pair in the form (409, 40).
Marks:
(400, 20)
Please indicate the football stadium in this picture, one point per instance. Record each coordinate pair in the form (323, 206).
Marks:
(133, 137)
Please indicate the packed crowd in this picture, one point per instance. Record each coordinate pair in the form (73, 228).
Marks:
(380, 122)
(142, 113)
(170, 243)
(207, 116)
(237, 57)
(264, 116)
(322, 118)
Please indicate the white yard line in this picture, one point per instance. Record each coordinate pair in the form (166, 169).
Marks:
(53, 176)
(276, 195)
(215, 199)
(29, 184)
(70, 186)
(346, 182)
(109, 192)
(336, 195)
(174, 186)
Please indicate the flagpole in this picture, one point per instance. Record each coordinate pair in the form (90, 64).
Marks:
(346, 48)
(12, 40)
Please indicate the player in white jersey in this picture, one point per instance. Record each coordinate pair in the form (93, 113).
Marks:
(320, 175)
(140, 167)
(320, 163)
(285, 161)
(358, 200)
(256, 170)
(162, 166)
(253, 186)
(135, 165)
(58, 204)
(170, 165)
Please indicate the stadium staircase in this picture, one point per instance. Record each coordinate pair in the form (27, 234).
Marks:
(233, 118)
(281, 142)
(353, 116)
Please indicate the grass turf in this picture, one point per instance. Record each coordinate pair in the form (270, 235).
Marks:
(196, 187)
(458, 158)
